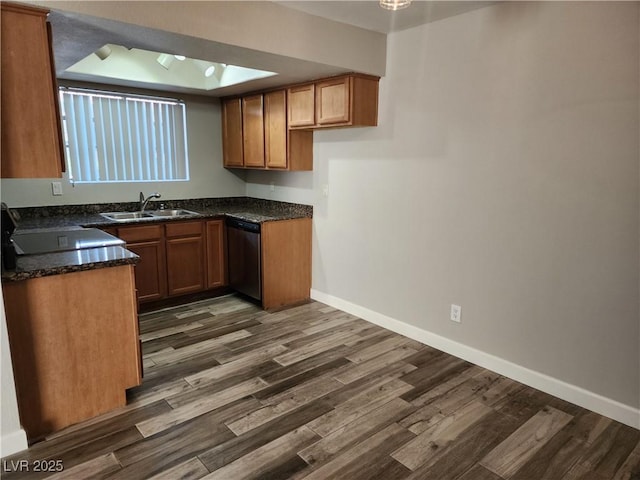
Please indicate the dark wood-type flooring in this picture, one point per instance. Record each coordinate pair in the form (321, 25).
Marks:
(232, 392)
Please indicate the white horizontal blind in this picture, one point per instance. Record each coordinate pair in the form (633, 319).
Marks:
(122, 138)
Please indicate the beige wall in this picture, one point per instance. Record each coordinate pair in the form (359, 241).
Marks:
(503, 177)
(207, 176)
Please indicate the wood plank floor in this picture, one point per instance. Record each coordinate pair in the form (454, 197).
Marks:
(232, 392)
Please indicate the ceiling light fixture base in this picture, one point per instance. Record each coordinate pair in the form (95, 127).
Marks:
(394, 4)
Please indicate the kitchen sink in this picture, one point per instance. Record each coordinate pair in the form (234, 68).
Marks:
(127, 216)
(171, 213)
(124, 216)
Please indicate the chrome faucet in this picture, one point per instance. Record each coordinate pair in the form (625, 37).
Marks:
(144, 201)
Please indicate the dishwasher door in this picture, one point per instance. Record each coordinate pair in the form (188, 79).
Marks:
(243, 246)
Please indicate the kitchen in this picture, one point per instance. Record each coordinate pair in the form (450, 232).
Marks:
(496, 127)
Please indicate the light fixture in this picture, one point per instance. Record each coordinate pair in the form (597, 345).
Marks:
(209, 71)
(103, 52)
(165, 60)
(180, 57)
(394, 4)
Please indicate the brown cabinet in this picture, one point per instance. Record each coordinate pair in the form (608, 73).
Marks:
(284, 149)
(177, 258)
(232, 149)
(185, 258)
(345, 101)
(286, 262)
(266, 141)
(301, 110)
(74, 345)
(253, 131)
(216, 254)
(147, 241)
(31, 140)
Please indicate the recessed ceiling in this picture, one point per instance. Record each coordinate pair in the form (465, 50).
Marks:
(115, 63)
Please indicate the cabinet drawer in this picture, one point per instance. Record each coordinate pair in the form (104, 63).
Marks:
(183, 229)
(137, 234)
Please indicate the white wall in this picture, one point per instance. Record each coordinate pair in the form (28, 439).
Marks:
(207, 176)
(503, 177)
(12, 437)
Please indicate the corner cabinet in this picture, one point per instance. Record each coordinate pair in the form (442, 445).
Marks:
(31, 139)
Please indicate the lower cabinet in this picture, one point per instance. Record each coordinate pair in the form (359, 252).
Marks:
(185, 258)
(147, 241)
(176, 258)
(286, 262)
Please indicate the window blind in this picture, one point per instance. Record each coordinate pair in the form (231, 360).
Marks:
(110, 137)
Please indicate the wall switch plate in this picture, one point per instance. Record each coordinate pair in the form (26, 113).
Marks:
(325, 190)
(456, 313)
(56, 188)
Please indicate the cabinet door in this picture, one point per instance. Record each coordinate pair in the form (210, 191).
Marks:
(150, 271)
(253, 131)
(31, 143)
(275, 129)
(333, 101)
(185, 258)
(232, 133)
(300, 101)
(216, 254)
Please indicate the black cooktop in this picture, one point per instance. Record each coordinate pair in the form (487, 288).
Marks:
(62, 240)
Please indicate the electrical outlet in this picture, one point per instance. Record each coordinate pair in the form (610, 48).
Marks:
(272, 186)
(56, 188)
(456, 313)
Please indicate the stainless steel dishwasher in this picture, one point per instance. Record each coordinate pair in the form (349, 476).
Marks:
(243, 246)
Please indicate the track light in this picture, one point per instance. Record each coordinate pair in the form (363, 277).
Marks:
(103, 52)
(165, 60)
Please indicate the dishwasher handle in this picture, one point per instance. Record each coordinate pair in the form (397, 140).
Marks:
(243, 225)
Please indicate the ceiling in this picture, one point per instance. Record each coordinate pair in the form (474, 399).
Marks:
(77, 36)
(366, 13)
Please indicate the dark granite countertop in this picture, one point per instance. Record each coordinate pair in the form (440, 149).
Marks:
(34, 266)
(244, 208)
(78, 216)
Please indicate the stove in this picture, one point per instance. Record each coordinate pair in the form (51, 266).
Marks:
(63, 240)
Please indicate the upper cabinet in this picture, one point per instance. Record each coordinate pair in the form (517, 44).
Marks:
(232, 133)
(253, 131)
(345, 101)
(274, 130)
(256, 134)
(302, 106)
(31, 140)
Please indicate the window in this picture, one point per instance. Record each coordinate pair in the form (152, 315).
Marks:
(113, 137)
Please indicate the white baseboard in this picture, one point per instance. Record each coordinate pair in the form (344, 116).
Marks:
(566, 391)
(13, 442)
